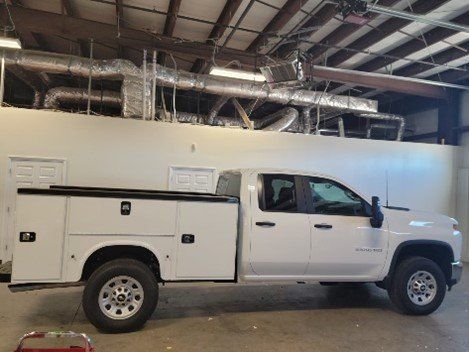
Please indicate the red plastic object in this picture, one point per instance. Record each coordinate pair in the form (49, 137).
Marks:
(41, 335)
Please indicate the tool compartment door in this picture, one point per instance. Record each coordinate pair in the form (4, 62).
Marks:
(39, 238)
(206, 240)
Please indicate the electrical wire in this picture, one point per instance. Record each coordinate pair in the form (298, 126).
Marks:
(11, 27)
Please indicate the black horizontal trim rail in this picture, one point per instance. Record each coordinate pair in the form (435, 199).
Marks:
(136, 190)
(126, 193)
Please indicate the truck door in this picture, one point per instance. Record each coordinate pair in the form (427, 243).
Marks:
(280, 232)
(343, 243)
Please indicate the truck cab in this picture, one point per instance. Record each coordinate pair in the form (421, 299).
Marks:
(301, 226)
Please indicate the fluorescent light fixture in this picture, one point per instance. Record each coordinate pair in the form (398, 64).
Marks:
(10, 43)
(238, 74)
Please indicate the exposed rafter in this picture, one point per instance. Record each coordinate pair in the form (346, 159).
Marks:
(230, 8)
(70, 11)
(440, 58)
(320, 18)
(170, 24)
(433, 36)
(78, 28)
(283, 16)
(342, 32)
(384, 30)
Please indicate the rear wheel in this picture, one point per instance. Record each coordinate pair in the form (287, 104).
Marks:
(120, 296)
(418, 286)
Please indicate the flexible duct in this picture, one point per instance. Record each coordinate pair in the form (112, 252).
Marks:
(388, 117)
(59, 95)
(281, 120)
(213, 113)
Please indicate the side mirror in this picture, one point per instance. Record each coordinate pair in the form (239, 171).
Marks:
(377, 216)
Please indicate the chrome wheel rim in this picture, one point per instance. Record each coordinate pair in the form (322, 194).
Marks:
(421, 288)
(121, 297)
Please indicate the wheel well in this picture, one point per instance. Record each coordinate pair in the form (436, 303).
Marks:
(107, 254)
(440, 253)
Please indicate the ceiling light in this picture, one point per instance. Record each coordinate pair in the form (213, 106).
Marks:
(238, 74)
(10, 43)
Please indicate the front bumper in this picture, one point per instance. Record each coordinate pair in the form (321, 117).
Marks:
(456, 272)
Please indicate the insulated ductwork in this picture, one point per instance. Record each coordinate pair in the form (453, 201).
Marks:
(121, 70)
(388, 117)
(280, 121)
(243, 89)
(60, 95)
(134, 89)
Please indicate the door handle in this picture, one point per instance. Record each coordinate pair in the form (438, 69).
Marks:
(323, 226)
(265, 223)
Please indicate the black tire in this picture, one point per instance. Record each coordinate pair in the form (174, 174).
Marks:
(112, 269)
(398, 288)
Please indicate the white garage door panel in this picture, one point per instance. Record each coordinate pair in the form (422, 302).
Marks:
(191, 179)
(103, 216)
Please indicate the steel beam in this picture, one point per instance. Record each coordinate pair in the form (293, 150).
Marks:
(378, 81)
(383, 10)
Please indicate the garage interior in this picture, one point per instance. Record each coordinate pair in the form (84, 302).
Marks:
(393, 71)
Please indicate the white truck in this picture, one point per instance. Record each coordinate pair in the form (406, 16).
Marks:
(262, 225)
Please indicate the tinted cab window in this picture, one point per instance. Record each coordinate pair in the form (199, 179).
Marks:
(331, 198)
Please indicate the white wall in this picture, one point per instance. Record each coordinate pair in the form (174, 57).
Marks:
(105, 151)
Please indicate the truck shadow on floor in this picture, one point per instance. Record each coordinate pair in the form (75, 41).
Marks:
(197, 301)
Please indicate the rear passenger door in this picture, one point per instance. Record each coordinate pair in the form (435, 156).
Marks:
(280, 232)
(344, 245)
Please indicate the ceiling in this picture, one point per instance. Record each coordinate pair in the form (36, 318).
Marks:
(195, 32)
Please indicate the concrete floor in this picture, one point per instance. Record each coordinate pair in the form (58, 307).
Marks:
(253, 318)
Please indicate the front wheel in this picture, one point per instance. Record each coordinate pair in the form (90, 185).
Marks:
(418, 286)
(120, 296)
